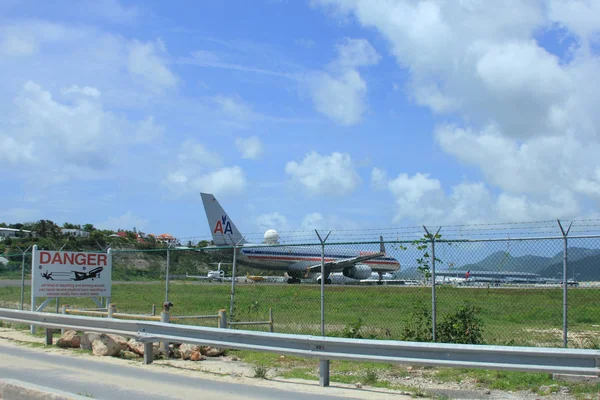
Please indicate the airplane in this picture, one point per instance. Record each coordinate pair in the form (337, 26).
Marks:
(95, 273)
(297, 261)
(217, 275)
(255, 278)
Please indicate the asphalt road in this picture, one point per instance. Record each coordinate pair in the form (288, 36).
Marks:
(106, 379)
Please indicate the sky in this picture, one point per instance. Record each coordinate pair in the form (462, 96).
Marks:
(299, 115)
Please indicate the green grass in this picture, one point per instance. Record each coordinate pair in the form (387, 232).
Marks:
(530, 317)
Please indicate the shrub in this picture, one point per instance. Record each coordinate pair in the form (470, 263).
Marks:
(463, 327)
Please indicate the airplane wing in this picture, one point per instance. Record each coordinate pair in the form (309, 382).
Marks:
(196, 276)
(339, 265)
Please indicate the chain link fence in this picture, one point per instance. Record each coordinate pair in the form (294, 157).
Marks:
(507, 291)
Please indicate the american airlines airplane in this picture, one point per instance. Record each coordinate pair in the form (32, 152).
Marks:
(297, 261)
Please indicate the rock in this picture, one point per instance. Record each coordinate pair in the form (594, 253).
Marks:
(86, 340)
(213, 351)
(565, 390)
(129, 355)
(175, 351)
(105, 346)
(488, 392)
(235, 359)
(186, 350)
(120, 340)
(69, 339)
(196, 356)
(358, 385)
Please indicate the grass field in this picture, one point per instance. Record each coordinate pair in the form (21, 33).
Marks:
(528, 316)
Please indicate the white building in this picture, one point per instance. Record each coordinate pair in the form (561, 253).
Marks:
(75, 232)
(11, 232)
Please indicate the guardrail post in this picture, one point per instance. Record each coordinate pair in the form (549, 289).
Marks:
(223, 319)
(64, 311)
(49, 333)
(148, 354)
(270, 319)
(112, 308)
(153, 309)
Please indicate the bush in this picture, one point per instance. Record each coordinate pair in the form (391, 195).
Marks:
(463, 327)
(419, 325)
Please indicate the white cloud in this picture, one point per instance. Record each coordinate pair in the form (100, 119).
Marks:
(317, 221)
(59, 141)
(199, 170)
(127, 221)
(250, 147)
(340, 92)
(525, 115)
(378, 177)
(146, 61)
(318, 174)
(274, 220)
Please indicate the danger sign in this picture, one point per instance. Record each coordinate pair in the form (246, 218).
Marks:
(71, 274)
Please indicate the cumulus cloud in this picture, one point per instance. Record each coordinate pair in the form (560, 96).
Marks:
(330, 175)
(318, 221)
(59, 140)
(274, 220)
(525, 113)
(147, 61)
(339, 92)
(250, 147)
(126, 221)
(197, 169)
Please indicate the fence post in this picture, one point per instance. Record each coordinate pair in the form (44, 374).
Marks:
(564, 234)
(433, 296)
(112, 308)
(323, 364)
(223, 318)
(270, 319)
(167, 273)
(233, 278)
(64, 311)
(23, 253)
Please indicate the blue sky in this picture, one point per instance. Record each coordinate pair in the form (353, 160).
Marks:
(328, 114)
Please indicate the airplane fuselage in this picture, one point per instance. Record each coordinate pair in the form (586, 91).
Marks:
(295, 259)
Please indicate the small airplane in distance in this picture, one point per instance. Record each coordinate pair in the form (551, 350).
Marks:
(95, 273)
(255, 278)
(218, 275)
(299, 262)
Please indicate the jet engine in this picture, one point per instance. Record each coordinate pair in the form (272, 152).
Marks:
(358, 271)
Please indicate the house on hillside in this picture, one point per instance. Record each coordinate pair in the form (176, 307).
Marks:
(75, 232)
(11, 232)
(165, 238)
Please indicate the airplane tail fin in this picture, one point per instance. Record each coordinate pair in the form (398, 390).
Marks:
(222, 228)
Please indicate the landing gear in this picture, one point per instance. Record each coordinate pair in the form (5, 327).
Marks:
(293, 280)
(380, 278)
(328, 281)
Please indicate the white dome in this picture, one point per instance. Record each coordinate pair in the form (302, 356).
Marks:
(271, 236)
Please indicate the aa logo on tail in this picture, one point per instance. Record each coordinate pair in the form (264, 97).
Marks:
(223, 226)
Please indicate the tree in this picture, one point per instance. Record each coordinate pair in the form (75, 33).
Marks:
(46, 229)
(68, 225)
(89, 228)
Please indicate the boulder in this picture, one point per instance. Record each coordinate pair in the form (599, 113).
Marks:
(86, 340)
(69, 339)
(213, 351)
(186, 350)
(138, 347)
(105, 346)
(196, 356)
(120, 340)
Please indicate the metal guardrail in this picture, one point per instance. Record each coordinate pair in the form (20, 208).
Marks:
(531, 359)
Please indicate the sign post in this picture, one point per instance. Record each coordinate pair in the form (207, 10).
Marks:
(69, 274)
